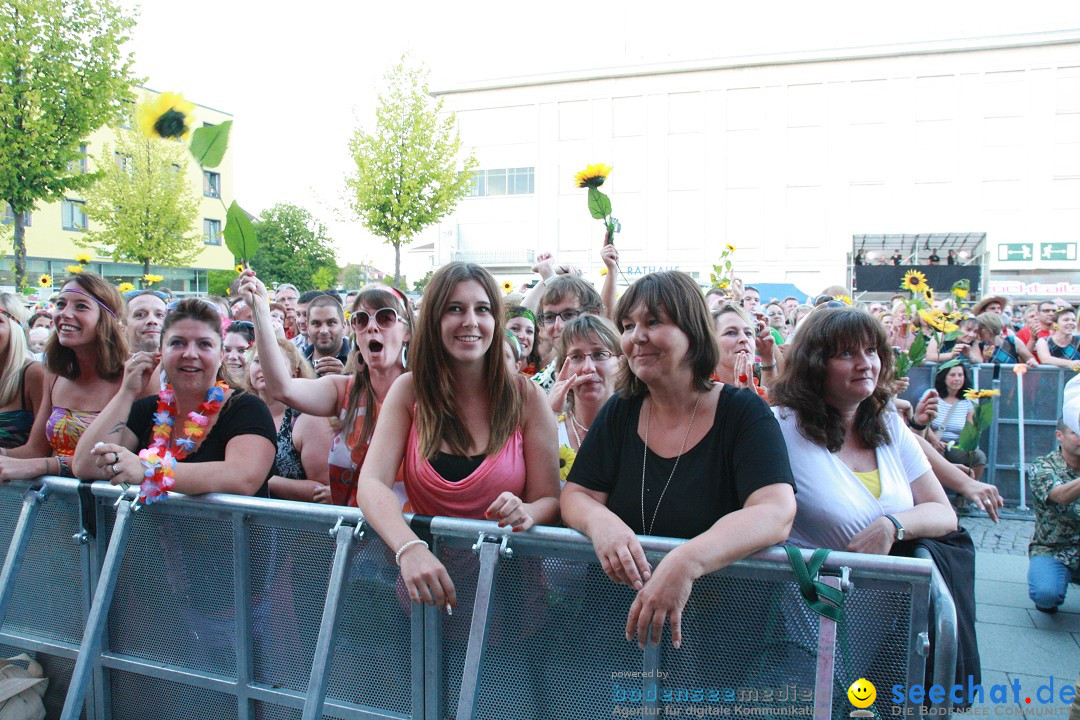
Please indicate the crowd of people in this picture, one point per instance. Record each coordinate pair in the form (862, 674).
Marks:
(775, 420)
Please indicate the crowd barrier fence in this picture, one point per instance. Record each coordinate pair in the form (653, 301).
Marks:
(232, 607)
(1038, 395)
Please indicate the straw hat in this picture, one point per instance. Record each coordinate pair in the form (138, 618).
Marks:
(980, 307)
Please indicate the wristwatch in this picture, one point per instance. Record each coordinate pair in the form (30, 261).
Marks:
(899, 527)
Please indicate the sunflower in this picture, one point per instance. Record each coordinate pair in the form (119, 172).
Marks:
(593, 176)
(603, 271)
(74, 269)
(125, 287)
(45, 280)
(960, 293)
(83, 258)
(843, 298)
(971, 394)
(938, 320)
(730, 248)
(508, 287)
(928, 293)
(239, 269)
(914, 281)
(566, 461)
(150, 279)
(167, 116)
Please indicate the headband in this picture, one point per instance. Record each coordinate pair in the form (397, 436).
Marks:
(11, 317)
(104, 307)
(525, 313)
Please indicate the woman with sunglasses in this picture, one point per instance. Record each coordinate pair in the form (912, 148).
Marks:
(470, 438)
(21, 379)
(381, 320)
(84, 358)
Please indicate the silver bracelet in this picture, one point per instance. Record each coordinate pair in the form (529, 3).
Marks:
(406, 546)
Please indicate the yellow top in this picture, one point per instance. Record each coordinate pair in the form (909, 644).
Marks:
(871, 480)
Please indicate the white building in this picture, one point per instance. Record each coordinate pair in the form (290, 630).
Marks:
(787, 157)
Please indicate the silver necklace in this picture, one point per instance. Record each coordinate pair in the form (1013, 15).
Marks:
(574, 430)
(645, 457)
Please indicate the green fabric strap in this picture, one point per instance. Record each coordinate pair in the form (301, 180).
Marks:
(821, 598)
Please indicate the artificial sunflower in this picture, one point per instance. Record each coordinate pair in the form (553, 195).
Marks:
(508, 287)
(239, 269)
(566, 461)
(960, 293)
(45, 280)
(125, 287)
(74, 269)
(150, 279)
(603, 271)
(83, 259)
(928, 293)
(167, 116)
(914, 281)
(730, 248)
(843, 298)
(593, 176)
(938, 320)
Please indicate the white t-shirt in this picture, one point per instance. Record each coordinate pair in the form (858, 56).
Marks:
(833, 505)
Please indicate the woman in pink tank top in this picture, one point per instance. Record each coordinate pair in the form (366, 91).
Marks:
(473, 439)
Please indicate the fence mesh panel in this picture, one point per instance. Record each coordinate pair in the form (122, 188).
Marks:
(138, 697)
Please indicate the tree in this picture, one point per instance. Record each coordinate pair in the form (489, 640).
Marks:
(144, 203)
(408, 174)
(63, 75)
(293, 247)
(420, 285)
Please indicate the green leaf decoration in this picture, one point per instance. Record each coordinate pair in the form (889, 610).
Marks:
(240, 233)
(208, 144)
(984, 416)
(951, 335)
(969, 438)
(903, 365)
(599, 204)
(917, 351)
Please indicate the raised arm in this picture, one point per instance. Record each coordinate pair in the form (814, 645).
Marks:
(544, 267)
(323, 397)
(610, 256)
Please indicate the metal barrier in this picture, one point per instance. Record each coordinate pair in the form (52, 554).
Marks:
(232, 607)
(1042, 392)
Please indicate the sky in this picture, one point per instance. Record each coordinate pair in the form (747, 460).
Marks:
(300, 77)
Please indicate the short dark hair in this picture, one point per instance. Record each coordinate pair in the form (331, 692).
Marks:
(325, 300)
(679, 297)
(309, 296)
(558, 288)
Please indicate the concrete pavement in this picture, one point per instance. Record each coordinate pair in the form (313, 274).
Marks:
(1016, 641)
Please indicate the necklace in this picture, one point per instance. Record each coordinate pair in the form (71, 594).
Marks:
(645, 457)
(575, 426)
(194, 426)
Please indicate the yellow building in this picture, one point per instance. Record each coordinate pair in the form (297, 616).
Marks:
(51, 227)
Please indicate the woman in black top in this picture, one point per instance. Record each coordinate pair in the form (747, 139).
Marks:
(232, 452)
(675, 454)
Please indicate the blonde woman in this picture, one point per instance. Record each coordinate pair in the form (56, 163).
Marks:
(21, 379)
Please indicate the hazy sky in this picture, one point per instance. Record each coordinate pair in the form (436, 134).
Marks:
(299, 77)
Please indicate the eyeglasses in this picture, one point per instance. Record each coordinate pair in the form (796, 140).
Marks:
(385, 318)
(130, 294)
(597, 357)
(548, 318)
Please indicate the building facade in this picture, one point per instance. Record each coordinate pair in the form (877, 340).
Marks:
(52, 227)
(786, 157)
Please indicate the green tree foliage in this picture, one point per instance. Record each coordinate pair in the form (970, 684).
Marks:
(420, 285)
(144, 204)
(293, 247)
(218, 282)
(408, 174)
(64, 74)
(325, 278)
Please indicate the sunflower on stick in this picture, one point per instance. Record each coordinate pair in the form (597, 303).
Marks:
(723, 271)
(170, 117)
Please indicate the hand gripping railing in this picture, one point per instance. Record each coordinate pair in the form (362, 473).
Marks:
(275, 609)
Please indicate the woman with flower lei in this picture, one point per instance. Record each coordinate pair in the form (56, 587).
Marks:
(197, 435)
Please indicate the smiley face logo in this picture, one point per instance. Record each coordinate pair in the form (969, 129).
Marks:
(862, 693)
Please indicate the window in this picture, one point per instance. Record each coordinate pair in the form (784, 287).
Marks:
(211, 184)
(74, 214)
(79, 165)
(123, 162)
(502, 181)
(9, 216)
(211, 231)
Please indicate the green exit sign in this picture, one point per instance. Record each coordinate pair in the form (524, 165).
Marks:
(1016, 252)
(1057, 251)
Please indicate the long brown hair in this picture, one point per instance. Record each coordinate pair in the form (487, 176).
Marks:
(437, 401)
(112, 347)
(374, 297)
(823, 334)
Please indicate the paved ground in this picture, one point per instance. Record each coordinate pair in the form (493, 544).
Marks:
(1017, 642)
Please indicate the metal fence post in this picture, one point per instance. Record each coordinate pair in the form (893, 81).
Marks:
(1020, 432)
(90, 647)
(474, 654)
(324, 646)
(242, 612)
(17, 549)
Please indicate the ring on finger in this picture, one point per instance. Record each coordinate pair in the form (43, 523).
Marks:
(115, 472)
(116, 457)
